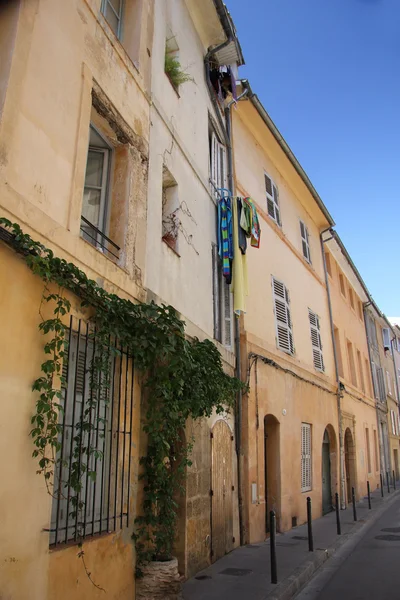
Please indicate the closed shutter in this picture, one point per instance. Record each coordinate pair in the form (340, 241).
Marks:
(389, 383)
(316, 341)
(398, 422)
(216, 279)
(392, 417)
(272, 199)
(222, 303)
(375, 380)
(306, 464)
(305, 242)
(227, 310)
(381, 384)
(283, 321)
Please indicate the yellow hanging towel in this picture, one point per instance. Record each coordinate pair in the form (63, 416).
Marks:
(239, 280)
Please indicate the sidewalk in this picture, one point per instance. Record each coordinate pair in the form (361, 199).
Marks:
(245, 572)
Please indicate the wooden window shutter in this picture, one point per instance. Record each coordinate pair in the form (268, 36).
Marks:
(227, 310)
(316, 341)
(381, 384)
(375, 380)
(283, 321)
(305, 242)
(216, 280)
(306, 463)
(393, 423)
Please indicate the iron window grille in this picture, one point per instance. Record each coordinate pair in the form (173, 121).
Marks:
(104, 450)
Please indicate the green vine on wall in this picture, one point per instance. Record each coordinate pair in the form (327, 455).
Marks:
(182, 378)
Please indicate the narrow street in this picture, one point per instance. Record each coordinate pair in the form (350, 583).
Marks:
(369, 569)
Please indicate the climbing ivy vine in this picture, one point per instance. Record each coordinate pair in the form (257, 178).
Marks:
(182, 378)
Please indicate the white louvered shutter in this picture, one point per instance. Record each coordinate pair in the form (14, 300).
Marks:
(272, 199)
(381, 384)
(306, 464)
(305, 242)
(227, 309)
(218, 165)
(316, 341)
(398, 422)
(284, 333)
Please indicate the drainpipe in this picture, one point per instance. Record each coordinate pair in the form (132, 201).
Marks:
(227, 133)
(339, 395)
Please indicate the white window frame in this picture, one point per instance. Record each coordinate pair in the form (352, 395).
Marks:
(398, 344)
(305, 241)
(119, 17)
(218, 166)
(306, 457)
(223, 303)
(316, 342)
(389, 383)
(273, 208)
(386, 342)
(283, 319)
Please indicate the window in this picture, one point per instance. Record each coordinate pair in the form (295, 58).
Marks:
(223, 304)
(218, 166)
(112, 10)
(360, 310)
(328, 263)
(316, 341)
(376, 451)
(375, 380)
(389, 383)
(351, 298)
(352, 365)
(342, 286)
(106, 468)
(283, 320)
(338, 350)
(398, 344)
(360, 369)
(367, 371)
(306, 464)
(386, 338)
(368, 450)
(381, 384)
(271, 192)
(371, 331)
(305, 242)
(171, 223)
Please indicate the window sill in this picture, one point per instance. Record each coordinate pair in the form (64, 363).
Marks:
(172, 85)
(72, 543)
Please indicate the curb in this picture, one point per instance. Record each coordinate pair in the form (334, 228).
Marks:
(304, 573)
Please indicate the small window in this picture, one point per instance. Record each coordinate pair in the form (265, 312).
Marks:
(386, 338)
(306, 459)
(112, 10)
(368, 450)
(351, 298)
(328, 263)
(223, 303)
(271, 192)
(218, 166)
(305, 242)
(360, 369)
(342, 286)
(367, 371)
(316, 341)
(393, 420)
(283, 320)
(352, 365)
(389, 383)
(360, 310)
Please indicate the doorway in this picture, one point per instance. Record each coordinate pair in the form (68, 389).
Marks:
(326, 474)
(349, 458)
(271, 469)
(222, 491)
(396, 463)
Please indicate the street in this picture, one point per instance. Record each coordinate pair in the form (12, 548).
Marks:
(366, 569)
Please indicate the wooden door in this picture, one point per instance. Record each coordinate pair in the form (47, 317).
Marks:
(326, 475)
(222, 492)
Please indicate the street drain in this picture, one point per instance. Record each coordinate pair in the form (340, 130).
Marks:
(299, 537)
(388, 538)
(235, 572)
(392, 529)
(202, 577)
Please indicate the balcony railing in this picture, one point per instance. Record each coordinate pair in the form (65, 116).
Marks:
(99, 239)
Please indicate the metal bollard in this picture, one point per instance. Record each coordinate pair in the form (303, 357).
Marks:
(394, 481)
(381, 485)
(369, 495)
(309, 523)
(272, 541)
(339, 529)
(387, 481)
(353, 497)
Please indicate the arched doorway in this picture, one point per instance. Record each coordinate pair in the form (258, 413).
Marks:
(271, 469)
(326, 474)
(222, 492)
(350, 463)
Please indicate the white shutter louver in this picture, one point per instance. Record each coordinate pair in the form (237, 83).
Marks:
(272, 199)
(305, 243)
(218, 174)
(306, 464)
(227, 314)
(316, 341)
(284, 333)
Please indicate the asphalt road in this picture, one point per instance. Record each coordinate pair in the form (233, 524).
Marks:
(369, 569)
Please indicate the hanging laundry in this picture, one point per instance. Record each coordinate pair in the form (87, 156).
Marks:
(242, 232)
(239, 283)
(225, 236)
(249, 222)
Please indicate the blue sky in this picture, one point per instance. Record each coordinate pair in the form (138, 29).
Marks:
(327, 71)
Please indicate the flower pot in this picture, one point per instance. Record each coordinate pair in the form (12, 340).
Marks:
(160, 581)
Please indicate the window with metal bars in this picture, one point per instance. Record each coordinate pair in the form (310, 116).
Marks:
(272, 195)
(100, 404)
(305, 242)
(316, 340)
(113, 12)
(283, 319)
(306, 459)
